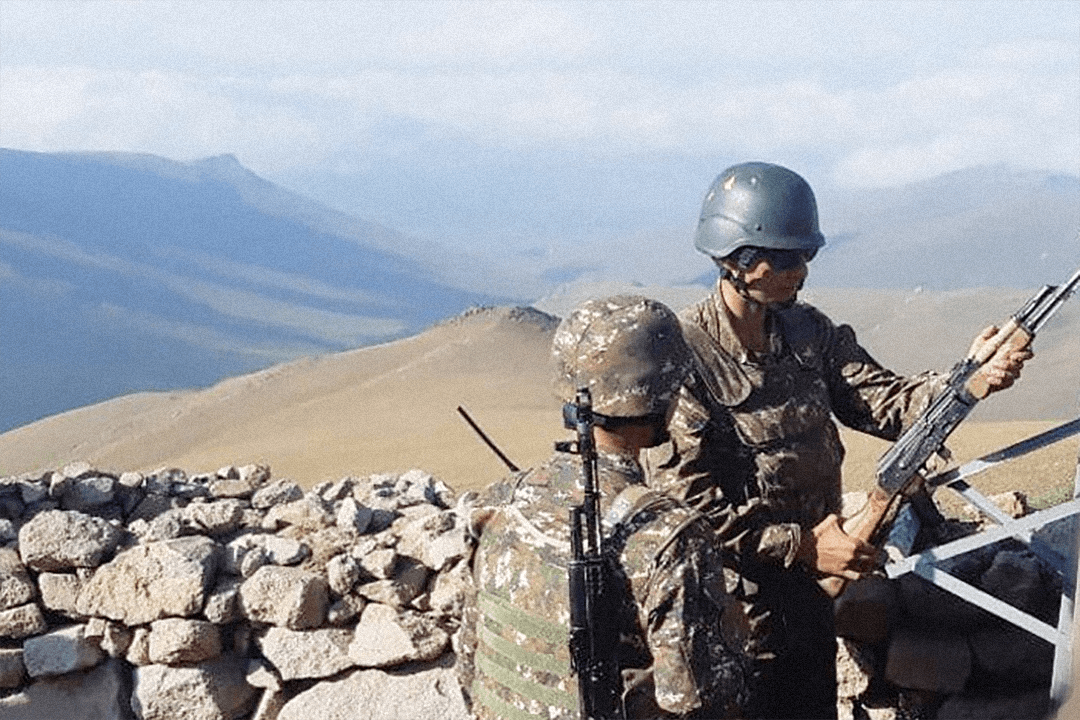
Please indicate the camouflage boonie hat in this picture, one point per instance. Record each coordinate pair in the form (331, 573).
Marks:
(627, 349)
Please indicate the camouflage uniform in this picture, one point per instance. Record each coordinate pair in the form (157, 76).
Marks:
(674, 659)
(755, 449)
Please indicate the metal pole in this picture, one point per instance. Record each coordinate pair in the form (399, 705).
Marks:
(1061, 679)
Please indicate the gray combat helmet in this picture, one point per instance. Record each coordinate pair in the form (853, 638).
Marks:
(628, 350)
(761, 205)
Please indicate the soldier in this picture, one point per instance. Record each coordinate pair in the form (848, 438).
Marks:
(754, 445)
(631, 355)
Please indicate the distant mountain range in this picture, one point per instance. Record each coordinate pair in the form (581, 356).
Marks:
(121, 272)
(124, 272)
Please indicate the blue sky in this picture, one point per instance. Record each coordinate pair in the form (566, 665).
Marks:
(533, 118)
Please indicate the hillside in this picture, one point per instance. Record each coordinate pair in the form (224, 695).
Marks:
(121, 273)
(391, 407)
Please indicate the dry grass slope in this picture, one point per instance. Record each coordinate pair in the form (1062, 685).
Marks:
(392, 407)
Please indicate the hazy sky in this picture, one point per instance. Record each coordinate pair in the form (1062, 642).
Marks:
(851, 93)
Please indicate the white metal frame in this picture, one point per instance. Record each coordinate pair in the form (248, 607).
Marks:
(924, 564)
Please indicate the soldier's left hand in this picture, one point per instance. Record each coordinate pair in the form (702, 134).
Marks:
(1002, 371)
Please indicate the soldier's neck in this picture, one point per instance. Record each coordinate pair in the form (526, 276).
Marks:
(747, 318)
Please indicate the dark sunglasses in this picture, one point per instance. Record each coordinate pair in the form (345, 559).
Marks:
(782, 260)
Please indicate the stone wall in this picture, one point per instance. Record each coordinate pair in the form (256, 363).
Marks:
(231, 595)
(235, 595)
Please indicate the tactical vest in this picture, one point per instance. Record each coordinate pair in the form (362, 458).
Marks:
(529, 676)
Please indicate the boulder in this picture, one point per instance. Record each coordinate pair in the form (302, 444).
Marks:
(938, 662)
(60, 652)
(276, 493)
(285, 596)
(16, 587)
(385, 637)
(99, 694)
(223, 603)
(169, 578)
(215, 690)
(59, 540)
(177, 641)
(309, 513)
(376, 695)
(60, 592)
(22, 621)
(89, 494)
(214, 518)
(867, 609)
(299, 654)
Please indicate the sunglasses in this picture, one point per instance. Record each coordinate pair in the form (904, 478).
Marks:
(782, 260)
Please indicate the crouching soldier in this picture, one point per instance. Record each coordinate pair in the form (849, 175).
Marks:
(674, 651)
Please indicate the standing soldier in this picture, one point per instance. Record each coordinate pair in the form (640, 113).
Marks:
(630, 354)
(754, 446)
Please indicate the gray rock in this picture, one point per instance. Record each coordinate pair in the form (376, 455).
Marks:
(345, 610)
(308, 513)
(89, 493)
(285, 596)
(223, 603)
(22, 621)
(385, 637)
(58, 540)
(215, 690)
(438, 540)
(379, 563)
(343, 572)
(353, 517)
(114, 638)
(176, 641)
(276, 493)
(60, 652)
(77, 470)
(138, 652)
(214, 518)
(12, 670)
(1014, 577)
(60, 592)
(938, 662)
(100, 694)
(299, 654)
(16, 587)
(376, 695)
(149, 582)
(410, 579)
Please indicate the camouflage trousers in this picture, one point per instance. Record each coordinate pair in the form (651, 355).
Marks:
(792, 643)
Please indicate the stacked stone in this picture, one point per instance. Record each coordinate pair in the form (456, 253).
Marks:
(910, 649)
(229, 595)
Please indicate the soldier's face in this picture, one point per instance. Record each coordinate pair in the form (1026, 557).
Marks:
(767, 285)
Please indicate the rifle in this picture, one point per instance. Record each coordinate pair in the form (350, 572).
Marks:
(593, 634)
(899, 469)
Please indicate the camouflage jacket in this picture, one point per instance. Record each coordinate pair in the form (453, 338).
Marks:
(754, 445)
(674, 659)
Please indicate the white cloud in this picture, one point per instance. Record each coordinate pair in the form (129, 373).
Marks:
(912, 89)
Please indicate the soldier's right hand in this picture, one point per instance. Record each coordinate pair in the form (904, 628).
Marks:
(831, 551)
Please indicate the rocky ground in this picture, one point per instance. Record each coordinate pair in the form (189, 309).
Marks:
(236, 595)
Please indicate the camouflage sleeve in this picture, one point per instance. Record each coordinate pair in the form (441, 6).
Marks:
(867, 397)
(695, 671)
(707, 467)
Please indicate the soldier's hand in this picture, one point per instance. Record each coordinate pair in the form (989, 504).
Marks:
(831, 551)
(1002, 370)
